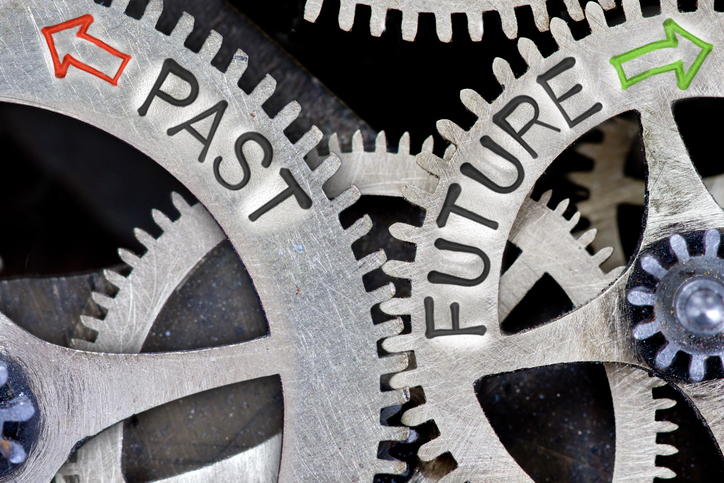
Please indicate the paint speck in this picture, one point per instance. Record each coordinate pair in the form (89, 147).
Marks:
(298, 248)
(168, 333)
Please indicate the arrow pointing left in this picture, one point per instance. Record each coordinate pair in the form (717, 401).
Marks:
(61, 67)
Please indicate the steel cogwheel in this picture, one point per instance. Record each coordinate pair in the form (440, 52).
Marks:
(547, 246)
(149, 90)
(455, 291)
(473, 9)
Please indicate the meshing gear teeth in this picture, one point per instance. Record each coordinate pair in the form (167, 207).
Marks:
(130, 315)
(547, 246)
(147, 89)
(455, 289)
(473, 9)
(609, 186)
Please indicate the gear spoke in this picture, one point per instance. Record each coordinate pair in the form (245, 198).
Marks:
(675, 192)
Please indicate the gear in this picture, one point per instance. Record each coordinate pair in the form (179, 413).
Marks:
(609, 187)
(129, 318)
(547, 246)
(454, 303)
(15, 408)
(124, 76)
(443, 11)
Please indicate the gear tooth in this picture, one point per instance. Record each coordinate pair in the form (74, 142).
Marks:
(529, 51)
(312, 10)
(443, 24)
(396, 397)
(398, 269)
(666, 355)
(381, 143)
(346, 199)
(562, 33)
(697, 368)
(378, 20)
(451, 132)
(120, 5)
(211, 46)
(397, 343)
(409, 24)
(309, 141)
(381, 294)
(561, 208)
(404, 232)
(666, 427)
(163, 221)
(706, 5)
(607, 4)
(115, 278)
(574, 220)
(263, 91)
(474, 102)
(430, 163)
(574, 10)
(596, 18)
(669, 8)
(664, 403)
(586, 239)
(396, 306)
(417, 415)
(403, 147)
(431, 450)
(183, 28)
(359, 229)
(103, 300)
(602, 255)
(346, 14)
(128, 257)
(503, 72)
(394, 363)
(508, 20)
(405, 379)
(238, 65)
(540, 15)
(545, 198)
(664, 473)
(391, 328)
(91, 322)
(180, 203)
(153, 12)
(326, 169)
(449, 152)
(390, 467)
(395, 433)
(373, 261)
(475, 26)
(416, 196)
(287, 115)
(146, 240)
(429, 145)
(666, 449)
(334, 146)
(632, 9)
(358, 142)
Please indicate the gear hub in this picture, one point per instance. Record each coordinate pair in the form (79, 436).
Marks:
(687, 301)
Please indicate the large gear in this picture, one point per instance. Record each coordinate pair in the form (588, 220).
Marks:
(547, 246)
(474, 9)
(455, 291)
(139, 84)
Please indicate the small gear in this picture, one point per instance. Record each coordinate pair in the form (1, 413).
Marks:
(455, 289)
(474, 9)
(15, 408)
(129, 318)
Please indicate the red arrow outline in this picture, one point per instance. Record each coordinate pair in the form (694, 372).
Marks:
(61, 68)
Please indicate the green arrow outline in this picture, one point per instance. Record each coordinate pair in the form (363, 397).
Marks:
(683, 79)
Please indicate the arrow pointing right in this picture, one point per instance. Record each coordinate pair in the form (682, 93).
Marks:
(683, 78)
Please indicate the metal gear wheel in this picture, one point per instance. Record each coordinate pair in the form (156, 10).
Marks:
(455, 293)
(124, 76)
(129, 318)
(547, 246)
(443, 11)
